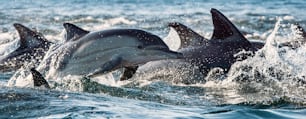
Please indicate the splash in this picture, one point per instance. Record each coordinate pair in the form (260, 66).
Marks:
(274, 74)
(108, 23)
(8, 43)
(172, 40)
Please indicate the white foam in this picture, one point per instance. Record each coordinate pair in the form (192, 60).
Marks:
(288, 17)
(172, 40)
(21, 78)
(109, 23)
(8, 43)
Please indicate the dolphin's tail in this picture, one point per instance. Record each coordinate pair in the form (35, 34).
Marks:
(38, 79)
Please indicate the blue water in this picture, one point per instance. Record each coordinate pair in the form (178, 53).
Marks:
(255, 88)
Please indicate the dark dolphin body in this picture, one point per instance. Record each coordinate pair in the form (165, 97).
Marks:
(33, 46)
(95, 53)
(39, 80)
(220, 50)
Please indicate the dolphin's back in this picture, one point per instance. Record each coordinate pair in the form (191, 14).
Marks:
(143, 36)
(214, 54)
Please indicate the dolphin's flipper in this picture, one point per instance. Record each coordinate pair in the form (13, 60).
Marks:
(106, 67)
(38, 79)
(74, 32)
(128, 73)
(225, 29)
(30, 38)
(188, 36)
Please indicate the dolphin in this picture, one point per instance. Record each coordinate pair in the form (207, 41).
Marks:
(220, 50)
(94, 53)
(33, 46)
(190, 38)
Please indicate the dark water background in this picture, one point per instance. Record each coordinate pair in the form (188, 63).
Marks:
(156, 93)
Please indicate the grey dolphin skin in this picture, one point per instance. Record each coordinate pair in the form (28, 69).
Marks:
(33, 46)
(220, 50)
(94, 53)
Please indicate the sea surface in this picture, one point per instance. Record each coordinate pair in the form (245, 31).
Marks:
(269, 85)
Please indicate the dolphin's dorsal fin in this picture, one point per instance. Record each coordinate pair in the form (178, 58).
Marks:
(74, 32)
(29, 38)
(187, 36)
(224, 29)
(38, 79)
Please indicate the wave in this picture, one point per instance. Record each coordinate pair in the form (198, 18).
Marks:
(273, 74)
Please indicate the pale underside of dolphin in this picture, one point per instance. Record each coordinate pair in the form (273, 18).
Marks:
(95, 53)
(32, 48)
(220, 50)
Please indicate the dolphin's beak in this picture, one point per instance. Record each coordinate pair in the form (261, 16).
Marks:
(178, 54)
(167, 50)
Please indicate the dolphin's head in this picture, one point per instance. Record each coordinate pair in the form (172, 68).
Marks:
(133, 45)
(142, 54)
(147, 47)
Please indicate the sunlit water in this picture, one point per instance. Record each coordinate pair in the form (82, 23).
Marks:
(269, 85)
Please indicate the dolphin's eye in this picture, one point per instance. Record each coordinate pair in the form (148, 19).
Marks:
(140, 47)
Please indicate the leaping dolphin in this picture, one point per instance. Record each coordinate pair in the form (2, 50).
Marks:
(94, 53)
(33, 46)
(220, 50)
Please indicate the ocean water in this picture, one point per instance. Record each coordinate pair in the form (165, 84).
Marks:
(269, 85)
